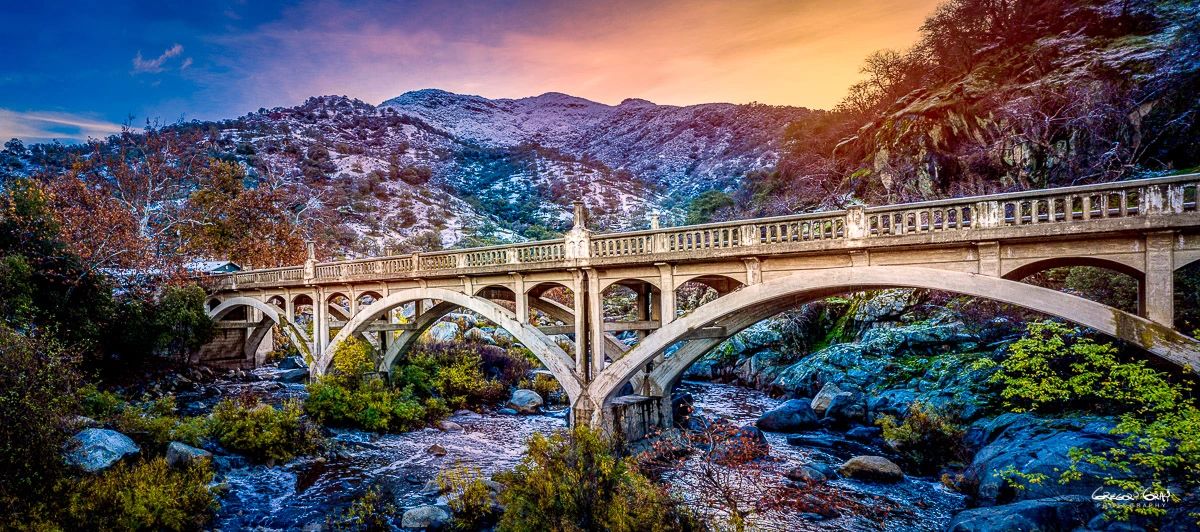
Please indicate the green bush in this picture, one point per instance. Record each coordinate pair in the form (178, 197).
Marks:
(1053, 369)
(469, 498)
(926, 438)
(262, 432)
(372, 405)
(147, 495)
(574, 480)
(369, 512)
(38, 381)
(461, 383)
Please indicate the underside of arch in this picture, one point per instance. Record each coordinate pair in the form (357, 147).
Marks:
(1025, 270)
(553, 357)
(271, 313)
(756, 302)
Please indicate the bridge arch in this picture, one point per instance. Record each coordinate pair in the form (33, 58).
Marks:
(1131, 268)
(271, 313)
(754, 303)
(550, 355)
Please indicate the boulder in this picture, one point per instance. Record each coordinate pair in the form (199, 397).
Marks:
(475, 334)
(885, 305)
(1035, 446)
(182, 455)
(893, 403)
(443, 331)
(804, 473)
(846, 408)
(791, 416)
(436, 450)
(875, 468)
(97, 449)
(425, 517)
(702, 370)
(1056, 513)
(682, 406)
(292, 375)
(525, 401)
(820, 402)
(864, 433)
(293, 362)
(506, 412)
(450, 426)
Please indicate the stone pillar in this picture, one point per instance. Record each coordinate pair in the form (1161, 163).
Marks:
(856, 222)
(595, 323)
(579, 287)
(310, 264)
(666, 280)
(1158, 293)
(522, 298)
(989, 258)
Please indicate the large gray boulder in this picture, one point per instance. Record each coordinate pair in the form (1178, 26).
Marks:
(1056, 513)
(475, 334)
(425, 517)
(791, 416)
(876, 468)
(846, 408)
(1035, 446)
(97, 449)
(443, 331)
(293, 362)
(182, 455)
(885, 305)
(525, 401)
(820, 402)
(292, 375)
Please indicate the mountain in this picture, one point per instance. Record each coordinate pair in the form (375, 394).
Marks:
(477, 170)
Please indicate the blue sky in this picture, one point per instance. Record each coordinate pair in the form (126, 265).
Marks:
(76, 70)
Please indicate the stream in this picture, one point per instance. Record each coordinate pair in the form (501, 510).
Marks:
(306, 492)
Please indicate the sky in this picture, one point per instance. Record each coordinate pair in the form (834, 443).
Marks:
(74, 70)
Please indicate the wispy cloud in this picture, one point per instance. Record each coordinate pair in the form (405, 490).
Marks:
(44, 126)
(142, 66)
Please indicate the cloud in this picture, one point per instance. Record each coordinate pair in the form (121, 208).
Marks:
(673, 51)
(44, 126)
(141, 65)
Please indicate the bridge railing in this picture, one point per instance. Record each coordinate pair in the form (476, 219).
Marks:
(1124, 199)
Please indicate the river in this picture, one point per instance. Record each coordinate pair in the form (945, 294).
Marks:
(307, 491)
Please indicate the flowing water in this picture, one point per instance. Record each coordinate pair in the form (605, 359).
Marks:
(914, 503)
(308, 491)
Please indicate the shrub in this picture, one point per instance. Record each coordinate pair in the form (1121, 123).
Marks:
(369, 512)
(372, 405)
(262, 432)
(461, 383)
(38, 381)
(469, 498)
(574, 480)
(926, 438)
(147, 495)
(1053, 368)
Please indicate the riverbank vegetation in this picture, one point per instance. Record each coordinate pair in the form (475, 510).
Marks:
(432, 380)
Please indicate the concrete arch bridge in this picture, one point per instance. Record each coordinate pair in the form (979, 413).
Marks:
(543, 292)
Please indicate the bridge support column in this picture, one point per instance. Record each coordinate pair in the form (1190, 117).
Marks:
(595, 324)
(1157, 297)
(666, 279)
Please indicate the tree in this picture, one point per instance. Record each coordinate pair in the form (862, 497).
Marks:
(702, 208)
(248, 226)
(574, 481)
